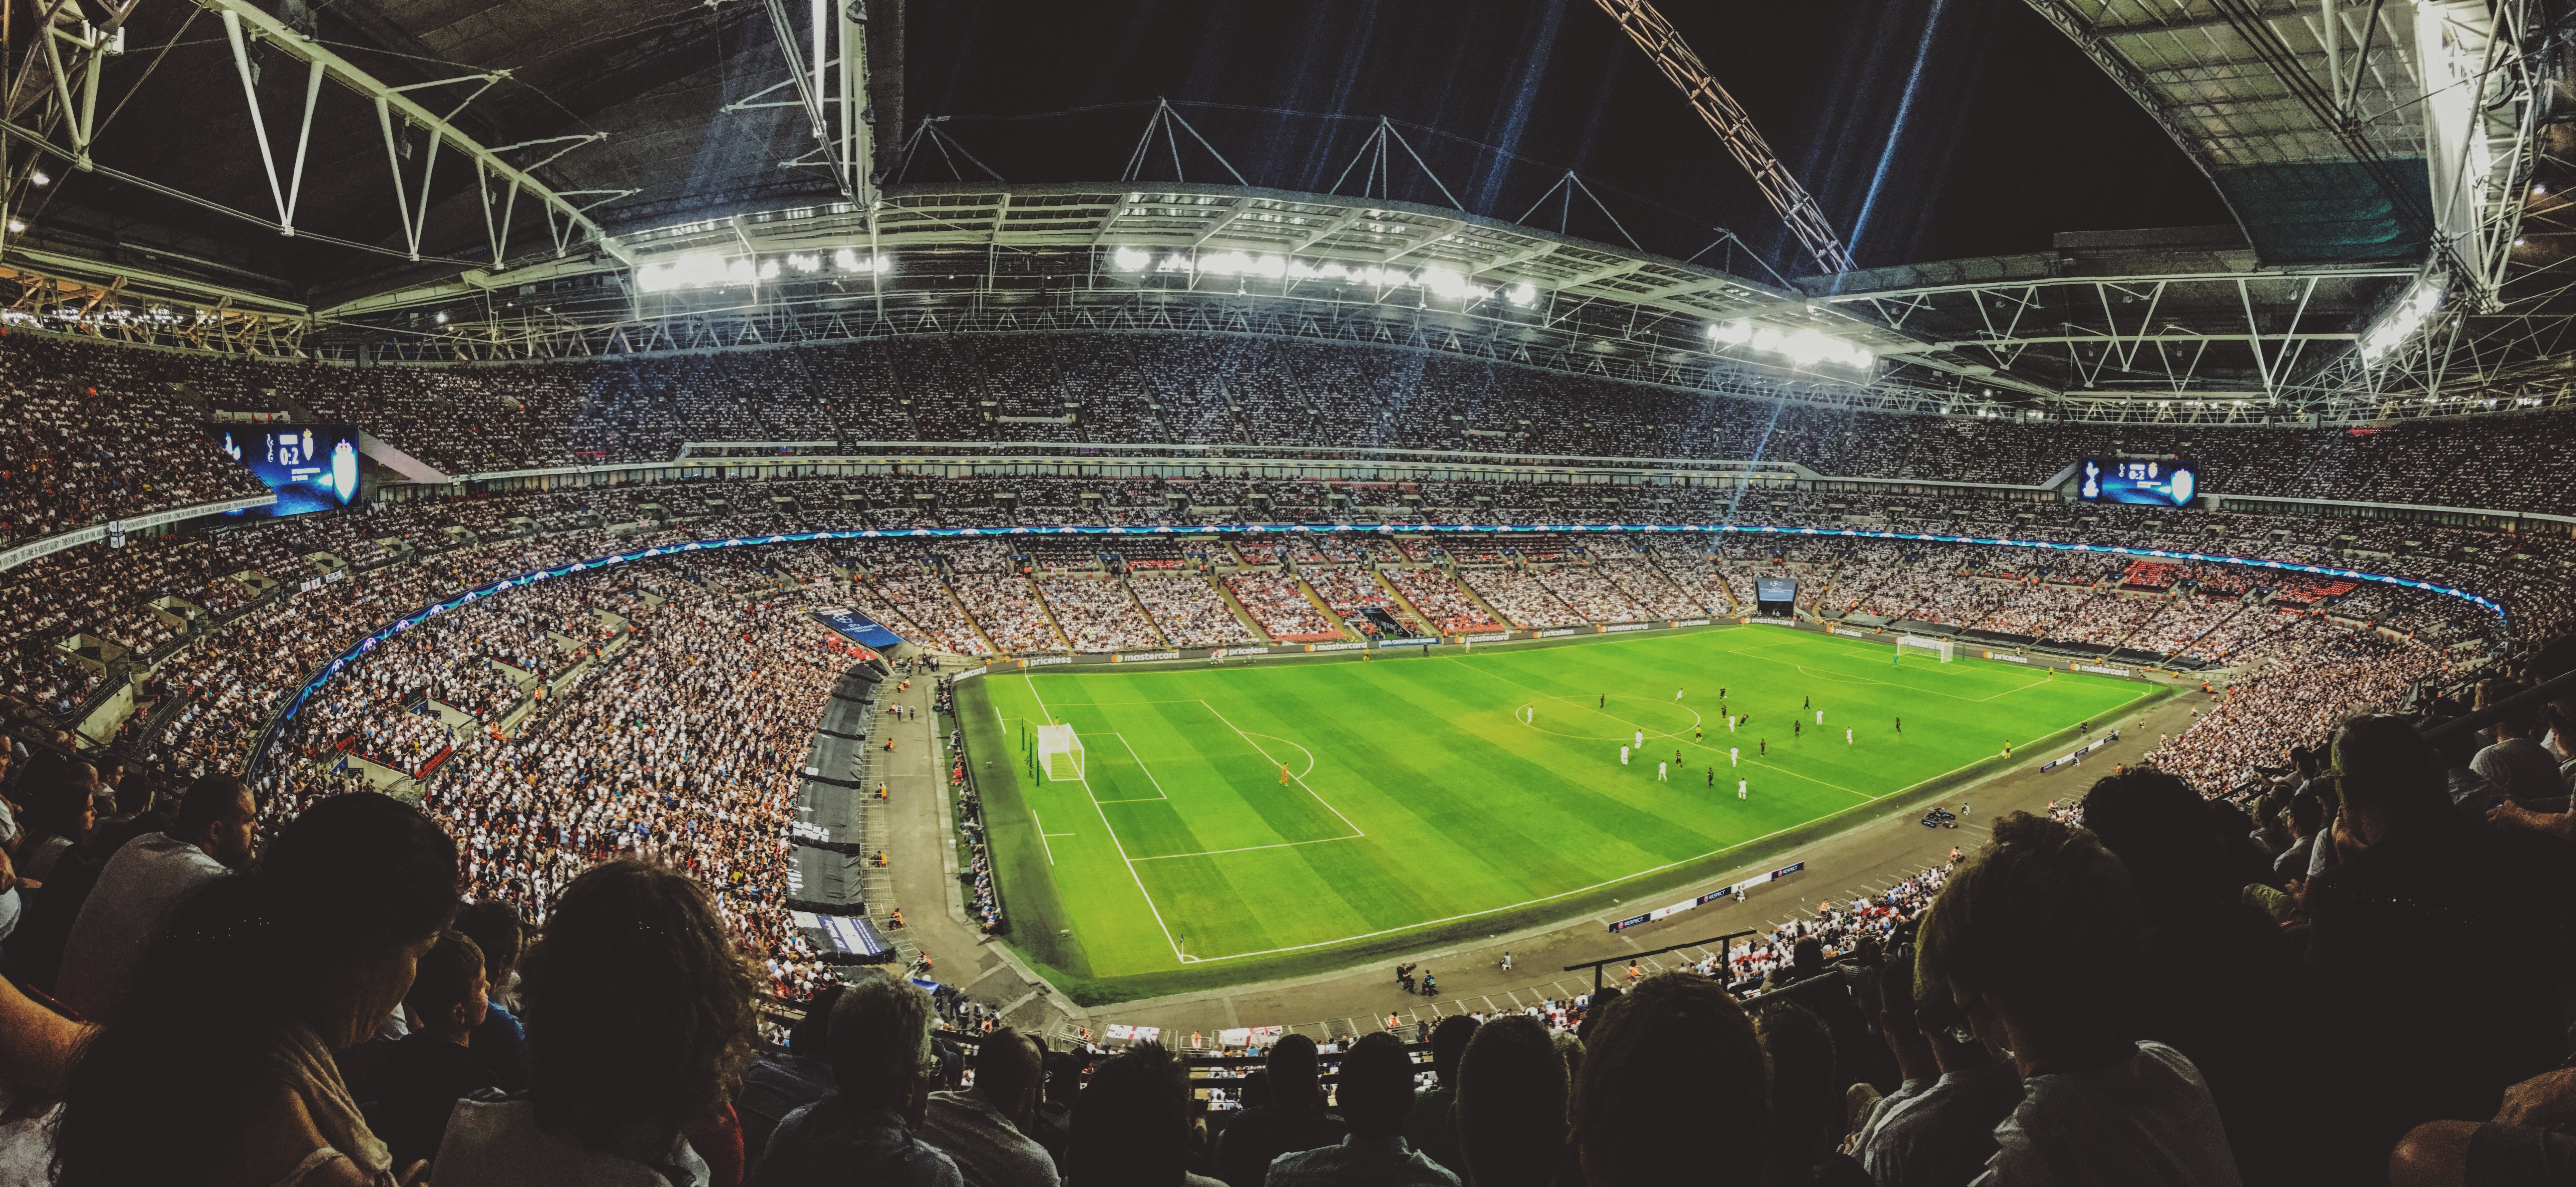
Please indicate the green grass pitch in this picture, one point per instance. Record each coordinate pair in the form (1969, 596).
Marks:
(1234, 816)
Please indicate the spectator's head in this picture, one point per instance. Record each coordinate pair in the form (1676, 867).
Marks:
(1807, 957)
(1806, 1096)
(1131, 1125)
(811, 1037)
(366, 882)
(216, 814)
(2307, 811)
(1449, 1041)
(1671, 1072)
(60, 797)
(2159, 827)
(2036, 940)
(324, 940)
(2388, 775)
(1064, 1077)
(637, 1004)
(1008, 1068)
(448, 993)
(1295, 1081)
(1511, 1104)
(498, 931)
(880, 1043)
(1601, 1000)
(1376, 1086)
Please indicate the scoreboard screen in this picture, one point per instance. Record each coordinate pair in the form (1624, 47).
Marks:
(2154, 482)
(1775, 589)
(311, 467)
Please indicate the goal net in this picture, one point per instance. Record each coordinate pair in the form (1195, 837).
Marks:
(1945, 648)
(1059, 752)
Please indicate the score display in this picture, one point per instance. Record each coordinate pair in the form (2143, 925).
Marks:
(2154, 482)
(1775, 589)
(311, 467)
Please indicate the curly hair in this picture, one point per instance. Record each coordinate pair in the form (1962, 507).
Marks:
(638, 1004)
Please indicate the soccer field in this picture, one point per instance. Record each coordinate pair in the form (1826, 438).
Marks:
(1240, 815)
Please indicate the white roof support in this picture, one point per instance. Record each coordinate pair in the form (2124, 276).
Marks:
(244, 19)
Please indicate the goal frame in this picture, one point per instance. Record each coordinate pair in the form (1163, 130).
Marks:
(1059, 752)
(1947, 649)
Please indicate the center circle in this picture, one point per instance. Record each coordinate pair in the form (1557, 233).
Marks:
(1588, 719)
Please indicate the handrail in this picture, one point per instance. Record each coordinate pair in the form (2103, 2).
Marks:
(1595, 965)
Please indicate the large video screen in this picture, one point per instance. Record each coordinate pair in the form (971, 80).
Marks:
(2154, 482)
(311, 467)
(1775, 589)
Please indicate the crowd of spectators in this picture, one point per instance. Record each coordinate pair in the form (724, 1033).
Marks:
(1280, 604)
(1519, 597)
(1438, 601)
(1097, 615)
(1190, 612)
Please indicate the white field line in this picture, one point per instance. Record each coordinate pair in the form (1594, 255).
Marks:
(1121, 846)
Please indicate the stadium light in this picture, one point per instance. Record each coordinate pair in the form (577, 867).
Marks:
(1128, 259)
(2401, 322)
(1803, 348)
(1523, 294)
(38, 178)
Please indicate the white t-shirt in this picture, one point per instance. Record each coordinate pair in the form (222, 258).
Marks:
(2146, 1121)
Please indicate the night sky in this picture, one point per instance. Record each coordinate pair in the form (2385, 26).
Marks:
(1929, 129)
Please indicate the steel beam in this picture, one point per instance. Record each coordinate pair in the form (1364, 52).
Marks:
(392, 100)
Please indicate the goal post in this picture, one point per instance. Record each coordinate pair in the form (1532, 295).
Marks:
(1059, 752)
(1947, 649)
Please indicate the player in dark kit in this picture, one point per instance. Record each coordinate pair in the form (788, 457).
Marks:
(1900, 725)
(1766, 746)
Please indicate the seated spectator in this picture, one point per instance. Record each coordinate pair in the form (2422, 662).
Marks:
(780, 1084)
(1052, 1124)
(1510, 1105)
(2517, 765)
(499, 1043)
(1132, 1124)
(1376, 1094)
(1293, 1120)
(984, 1129)
(639, 1021)
(883, 1068)
(1674, 1088)
(2412, 866)
(1428, 1127)
(60, 794)
(1806, 1098)
(2037, 939)
(146, 878)
(1938, 1128)
(227, 1032)
(433, 1067)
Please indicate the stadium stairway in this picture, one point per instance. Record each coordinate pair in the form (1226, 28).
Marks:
(1324, 608)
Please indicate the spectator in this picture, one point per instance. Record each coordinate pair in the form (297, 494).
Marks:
(780, 1084)
(1428, 1127)
(500, 1042)
(60, 795)
(883, 1068)
(226, 1035)
(1132, 1125)
(1806, 1098)
(1938, 1128)
(2526, 1143)
(1376, 1093)
(2517, 765)
(985, 1129)
(2037, 939)
(433, 1067)
(639, 1016)
(1672, 1075)
(1293, 1120)
(1053, 1122)
(2414, 867)
(146, 878)
(1510, 1105)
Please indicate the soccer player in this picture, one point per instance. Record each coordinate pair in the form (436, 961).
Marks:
(1712, 776)
(1795, 726)
(1808, 703)
(1900, 725)
(1740, 790)
(1677, 694)
(1765, 746)
(1623, 756)
(1641, 739)
(1721, 692)
(1663, 771)
(1734, 757)
(1847, 738)
(1605, 700)
(1820, 717)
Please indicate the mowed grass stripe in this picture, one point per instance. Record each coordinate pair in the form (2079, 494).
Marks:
(1467, 807)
